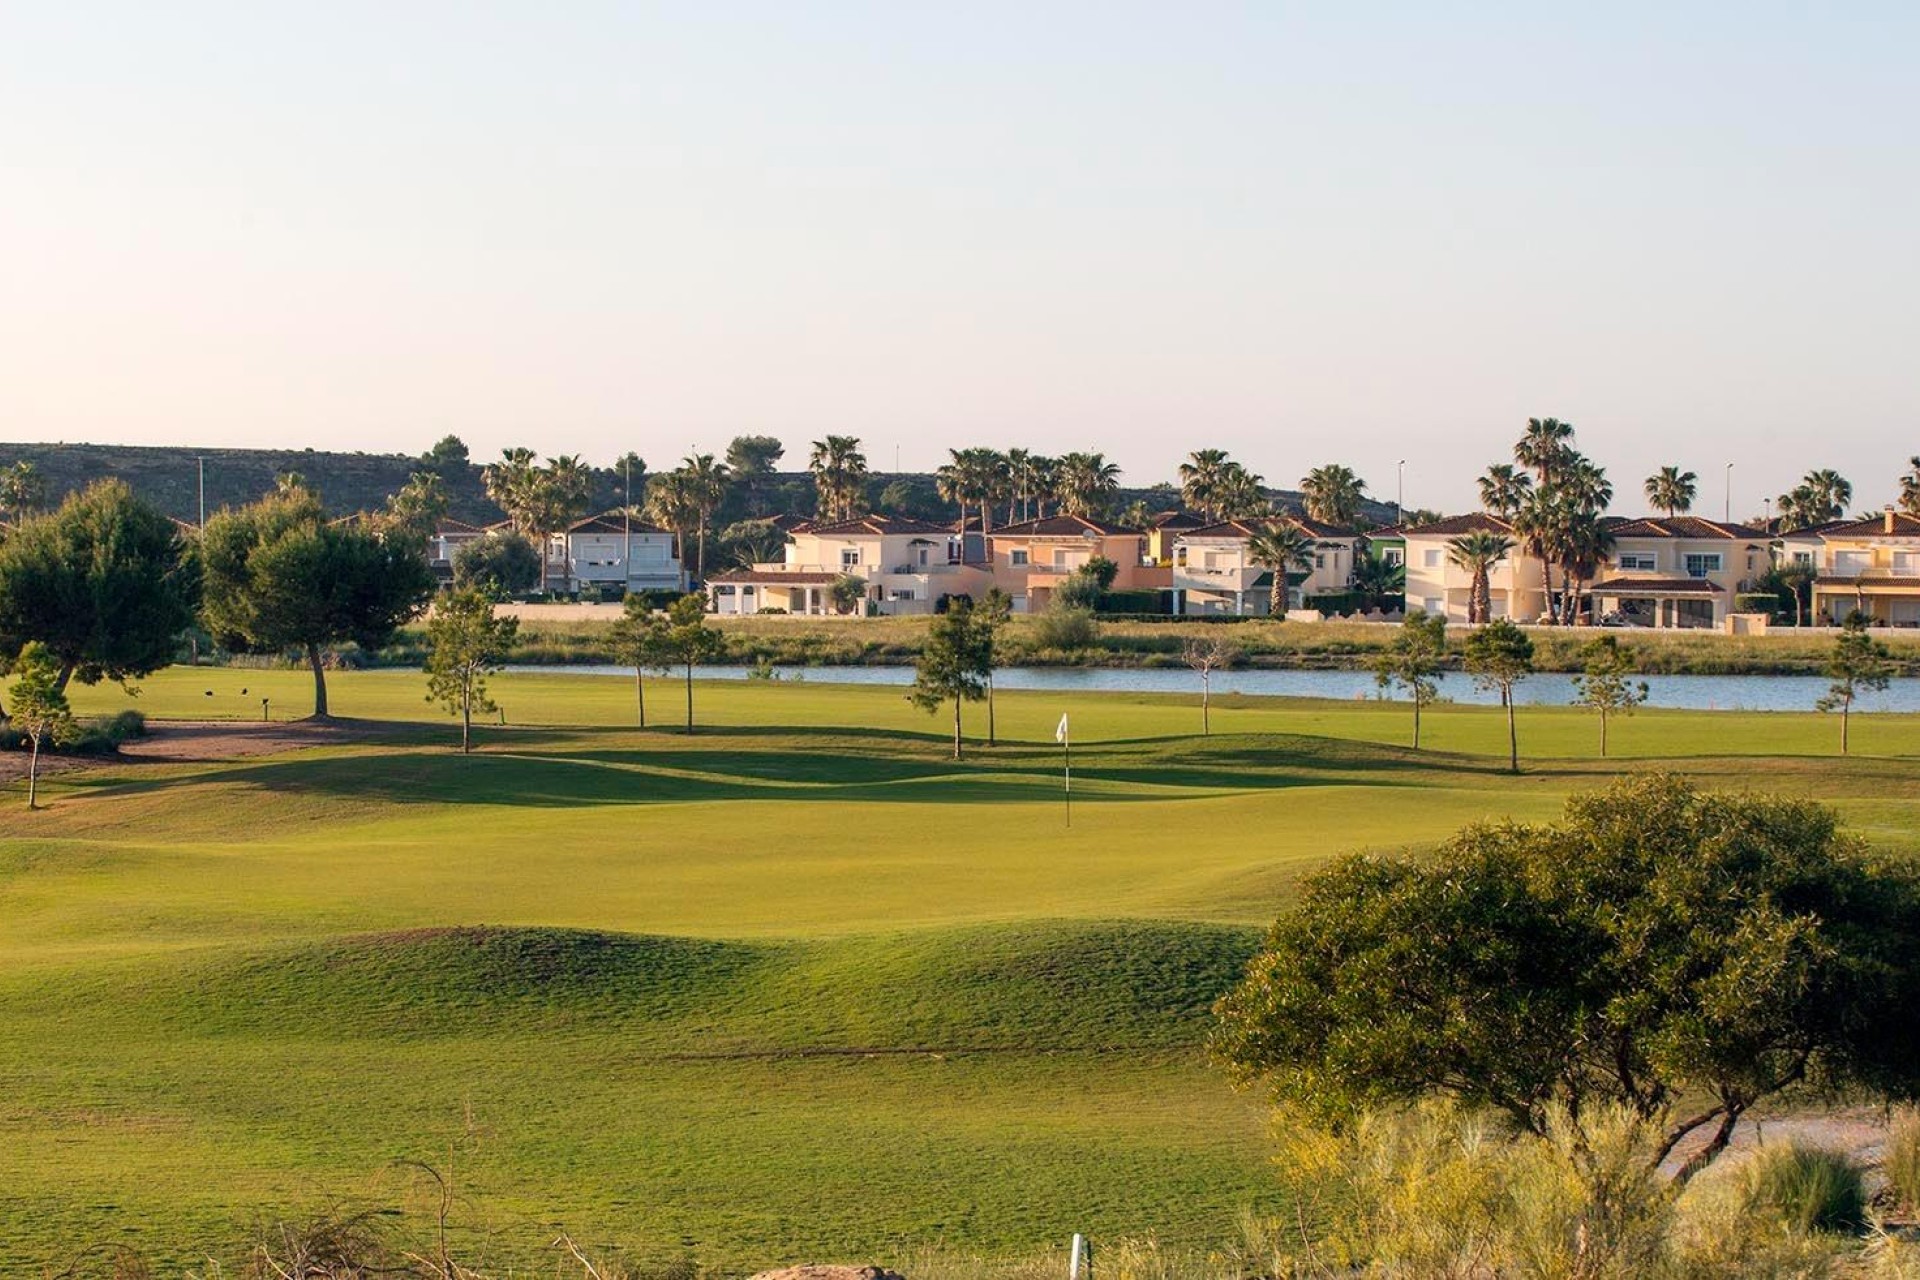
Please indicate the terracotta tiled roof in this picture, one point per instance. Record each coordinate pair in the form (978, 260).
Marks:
(797, 578)
(612, 522)
(1904, 526)
(1679, 527)
(1454, 526)
(1247, 528)
(1062, 527)
(874, 527)
(1650, 586)
(1177, 520)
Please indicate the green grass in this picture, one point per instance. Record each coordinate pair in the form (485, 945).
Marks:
(797, 985)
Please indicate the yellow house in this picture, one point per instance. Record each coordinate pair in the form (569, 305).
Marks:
(1678, 571)
(1213, 573)
(1872, 566)
(1436, 585)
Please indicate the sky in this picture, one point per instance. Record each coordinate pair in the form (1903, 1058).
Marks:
(1344, 231)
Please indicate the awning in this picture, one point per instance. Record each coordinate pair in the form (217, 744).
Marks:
(1655, 588)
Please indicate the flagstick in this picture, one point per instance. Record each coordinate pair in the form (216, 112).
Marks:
(1063, 734)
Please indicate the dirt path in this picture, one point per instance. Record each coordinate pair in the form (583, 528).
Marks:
(186, 741)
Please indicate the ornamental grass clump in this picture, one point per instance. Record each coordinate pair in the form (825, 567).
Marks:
(1808, 1188)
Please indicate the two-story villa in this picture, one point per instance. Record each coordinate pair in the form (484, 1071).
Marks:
(1033, 557)
(1213, 571)
(1679, 571)
(615, 550)
(1436, 585)
(903, 566)
(1872, 566)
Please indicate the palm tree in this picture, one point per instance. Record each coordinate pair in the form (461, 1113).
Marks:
(1478, 553)
(564, 491)
(1544, 447)
(1239, 495)
(1282, 546)
(839, 476)
(706, 487)
(1087, 483)
(1800, 508)
(973, 476)
(1585, 545)
(1833, 490)
(1539, 524)
(1504, 490)
(1200, 479)
(1334, 494)
(1910, 488)
(1375, 578)
(1672, 490)
(1022, 478)
(671, 504)
(512, 485)
(1046, 484)
(1581, 486)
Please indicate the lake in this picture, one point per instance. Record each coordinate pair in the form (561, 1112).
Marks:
(1699, 693)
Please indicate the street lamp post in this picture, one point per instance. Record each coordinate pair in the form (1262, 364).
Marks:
(1400, 492)
(1726, 513)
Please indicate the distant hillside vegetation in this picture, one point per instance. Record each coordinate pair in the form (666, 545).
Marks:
(167, 476)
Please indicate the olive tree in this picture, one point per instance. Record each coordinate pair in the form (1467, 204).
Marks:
(1683, 954)
(280, 575)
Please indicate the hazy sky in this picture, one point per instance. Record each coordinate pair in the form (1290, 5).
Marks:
(1305, 233)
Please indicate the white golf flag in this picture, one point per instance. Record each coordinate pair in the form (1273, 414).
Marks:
(1060, 734)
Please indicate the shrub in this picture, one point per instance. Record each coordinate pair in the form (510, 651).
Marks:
(1808, 1188)
(1066, 627)
(1902, 1163)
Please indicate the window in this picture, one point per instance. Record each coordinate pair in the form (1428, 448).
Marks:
(1434, 605)
(1642, 561)
(1431, 559)
(1702, 563)
(849, 557)
(1396, 556)
(923, 562)
(1803, 557)
(1017, 556)
(1319, 559)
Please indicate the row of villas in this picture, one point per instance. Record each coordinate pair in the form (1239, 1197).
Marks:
(1682, 571)
(906, 566)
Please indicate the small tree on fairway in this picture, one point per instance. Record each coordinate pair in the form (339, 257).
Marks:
(466, 643)
(1412, 661)
(688, 641)
(1500, 656)
(1207, 654)
(1603, 686)
(1656, 946)
(954, 664)
(1859, 663)
(39, 708)
(280, 575)
(994, 611)
(640, 639)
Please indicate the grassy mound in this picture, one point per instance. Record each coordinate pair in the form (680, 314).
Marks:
(1040, 987)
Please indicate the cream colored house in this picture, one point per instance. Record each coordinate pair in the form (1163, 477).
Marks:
(904, 566)
(1872, 566)
(1679, 571)
(1213, 572)
(1435, 585)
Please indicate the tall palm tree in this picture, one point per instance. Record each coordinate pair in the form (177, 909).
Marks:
(564, 491)
(513, 484)
(1088, 482)
(1504, 489)
(671, 504)
(1544, 446)
(1046, 484)
(973, 476)
(1539, 524)
(1910, 488)
(1239, 494)
(1585, 545)
(1281, 547)
(1021, 483)
(1833, 490)
(1583, 487)
(707, 482)
(1478, 553)
(1200, 479)
(1334, 494)
(1672, 490)
(839, 476)
(1800, 508)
